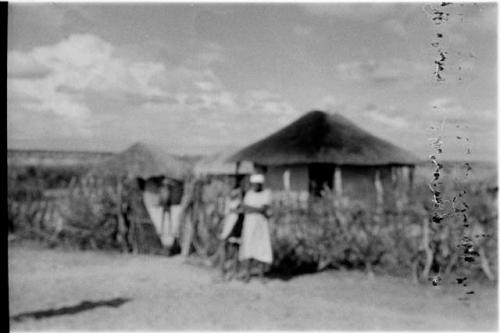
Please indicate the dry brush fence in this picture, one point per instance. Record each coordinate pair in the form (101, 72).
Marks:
(81, 212)
(322, 233)
(338, 233)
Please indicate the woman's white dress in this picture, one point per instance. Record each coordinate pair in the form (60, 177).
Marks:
(256, 238)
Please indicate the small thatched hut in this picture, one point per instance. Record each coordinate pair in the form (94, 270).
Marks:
(145, 161)
(321, 149)
(151, 167)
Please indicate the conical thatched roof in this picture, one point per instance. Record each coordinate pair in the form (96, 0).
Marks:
(218, 164)
(145, 160)
(319, 137)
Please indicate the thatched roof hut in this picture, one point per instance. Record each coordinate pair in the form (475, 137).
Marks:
(218, 165)
(143, 160)
(148, 165)
(319, 137)
(321, 150)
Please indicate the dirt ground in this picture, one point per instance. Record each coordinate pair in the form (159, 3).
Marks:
(160, 293)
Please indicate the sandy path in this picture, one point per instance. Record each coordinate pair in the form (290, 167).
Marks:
(166, 294)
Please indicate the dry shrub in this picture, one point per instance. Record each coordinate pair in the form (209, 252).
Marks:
(84, 217)
(209, 214)
(91, 222)
(311, 235)
(330, 232)
(345, 234)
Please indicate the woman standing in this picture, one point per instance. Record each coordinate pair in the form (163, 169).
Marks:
(231, 233)
(256, 238)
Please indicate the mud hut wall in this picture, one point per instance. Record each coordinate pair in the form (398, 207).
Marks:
(298, 178)
(391, 182)
(358, 183)
(397, 184)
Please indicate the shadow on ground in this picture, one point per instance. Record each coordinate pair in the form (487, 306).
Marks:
(286, 273)
(69, 310)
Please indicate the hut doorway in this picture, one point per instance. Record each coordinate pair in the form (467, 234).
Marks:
(320, 176)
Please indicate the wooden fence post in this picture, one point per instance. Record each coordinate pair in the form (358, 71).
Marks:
(186, 223)
(379, 189)
(429, 254)
(187, 235)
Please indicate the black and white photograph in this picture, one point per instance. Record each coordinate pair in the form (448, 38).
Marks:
(252, 166)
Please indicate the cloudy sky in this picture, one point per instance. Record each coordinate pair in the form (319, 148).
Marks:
(197, 78)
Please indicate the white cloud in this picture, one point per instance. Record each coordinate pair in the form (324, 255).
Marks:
(23, 65)
(206, 85)
(88, 87)
(389, 71)
(184, 79)
(453, 111)
(329, 103)
(208, 100)
(267, 102)
(40, 95)
(396, 122)
(77, 65)
(448, 107)
(60, 78)
(444, 103)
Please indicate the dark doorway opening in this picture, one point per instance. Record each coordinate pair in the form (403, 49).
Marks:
(320, 176)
